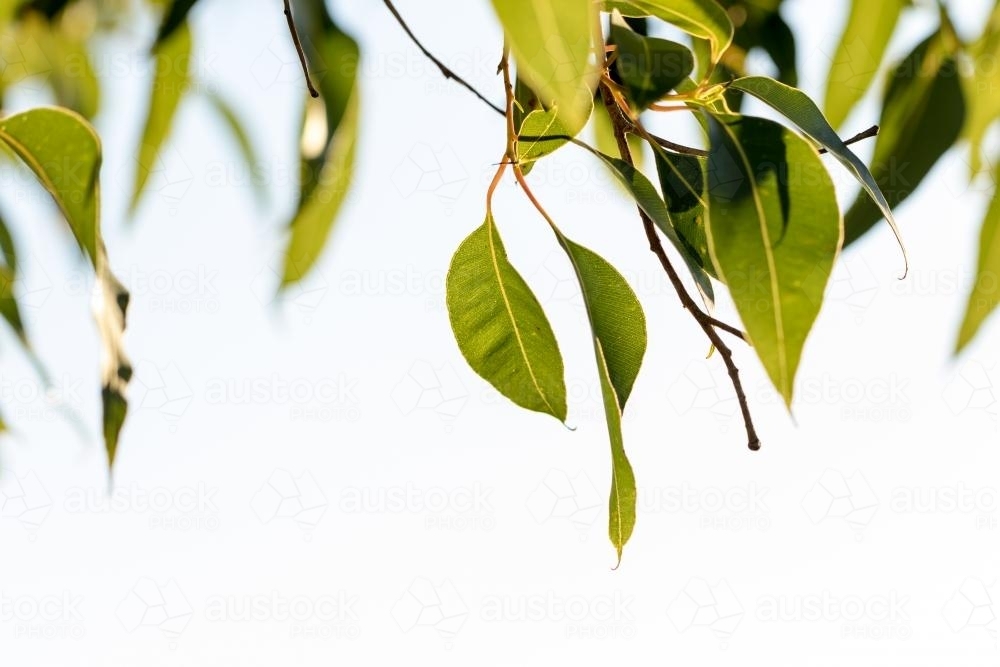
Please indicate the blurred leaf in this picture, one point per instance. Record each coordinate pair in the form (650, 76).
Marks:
(170, 83)
(501, 328)
(869, 28)
(773, 234)
(239, 134)
(704, 19)
(649, 67)
(981, 82)
(73, 79)
(173, 18)
(312, 223)
(619, 327)
(922, 117)
(551, 43)
(985, 293)
(64, 153)
(797, 107)
(48, 8)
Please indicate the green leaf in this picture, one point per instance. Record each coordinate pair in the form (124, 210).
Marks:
(619, 329)
(170, 82)
(985, 293)
(703, 19)
(552, 45)
(981, 83)
(869, 27)
(922, 117)
(64, 153)
(773, 234)
(239, 134)
(543, 131)
(649, 67)
(173, 19)
(798, 108)
(312, 223)
(622, 499)
(501, 328)
(682, 181)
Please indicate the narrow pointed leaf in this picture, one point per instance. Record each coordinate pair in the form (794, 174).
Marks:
(773, 234)
(170, 83)
(552, 45)
(500, 326)
(981, 83)
(869, 27)
(922, 117)
(174, 17)
(243, 142)
(622, 499)
(985, 293)
(64, 153)
(649, 67)
(798, 108)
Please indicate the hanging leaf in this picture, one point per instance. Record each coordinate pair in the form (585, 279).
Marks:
(649, 67)
(773, 234)
(173, 19)
(551, 43)
(922, 117)
(64, 153)
(869, 27)
(170, 82)
(798, 108)
(501, 328)
(619, 328)
(981, 83)
(985, 293)
(704, 19)
(239, 134)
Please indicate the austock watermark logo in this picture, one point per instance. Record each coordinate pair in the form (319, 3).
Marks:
(176, 292)
(425, 388)
(183, 508)
(407, 281)
(24, 499)
(322, 399)
(859, 617)
(42, 617)
(32, 400)
(429, 607)
(327, 616)
(304, 296)
(432, 172)
(973, 609)
(979, 504)
(284, 497)
(462, 508)
(164, 173)
(581, 616)
(737, 508)
(163, 389)
(573, 500)
(876, 399)
(835, 497)
(973, 391)
(150, 605)
(705, 607)
(705, 387)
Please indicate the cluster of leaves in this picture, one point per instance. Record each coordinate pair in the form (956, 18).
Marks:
(751, 210)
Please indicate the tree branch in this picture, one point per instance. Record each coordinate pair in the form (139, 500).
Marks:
(298, 48)
(446, 72)
(708, 324)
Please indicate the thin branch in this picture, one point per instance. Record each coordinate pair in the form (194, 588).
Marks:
(867, 134)
(446, 72)
(298, 48)
(707, 323)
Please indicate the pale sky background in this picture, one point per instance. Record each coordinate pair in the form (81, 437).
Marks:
(395, 503)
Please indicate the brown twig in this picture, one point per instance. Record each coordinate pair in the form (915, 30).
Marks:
(707, 323)
(866, 134)
(298, 48)
(446, 71)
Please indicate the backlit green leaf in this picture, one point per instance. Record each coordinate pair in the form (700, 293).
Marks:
(622, 499)
(541, 132)
(552, 45)
(869, 27)
(981, 83)
(773, 234)
(173, 18)
(170, 83)
(501, 328)
(922, 117)
(985, 293)
(649, 67)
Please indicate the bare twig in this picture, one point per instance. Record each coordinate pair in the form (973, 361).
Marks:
(866, 134)
(298, 48)
(708, 324)
(446, 72)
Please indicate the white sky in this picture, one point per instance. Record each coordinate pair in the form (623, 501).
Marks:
(449, 527)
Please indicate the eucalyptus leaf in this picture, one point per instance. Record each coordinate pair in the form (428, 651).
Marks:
(171, 81)
(981, 83)
(622, 498)
(985, 294)
(500, 326)
(543, 131)
(774, 231)
(869, 28)
(229, 118)
(174, 17)
(552, 45)
(648, 66)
